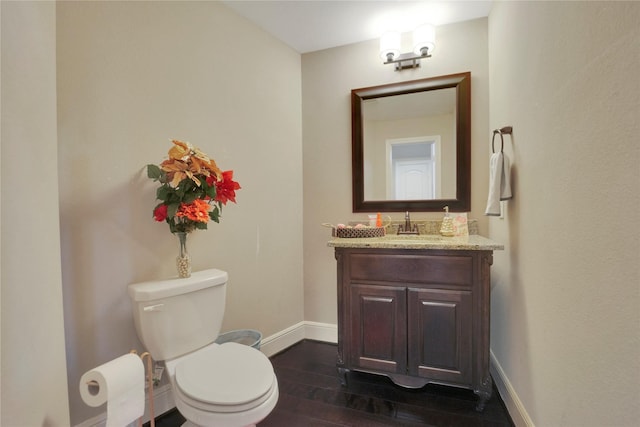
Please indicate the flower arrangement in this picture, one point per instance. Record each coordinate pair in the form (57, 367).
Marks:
(192, 189)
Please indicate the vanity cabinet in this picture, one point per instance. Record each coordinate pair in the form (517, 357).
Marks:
(416, 316)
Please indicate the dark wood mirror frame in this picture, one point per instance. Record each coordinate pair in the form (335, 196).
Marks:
(462, 203)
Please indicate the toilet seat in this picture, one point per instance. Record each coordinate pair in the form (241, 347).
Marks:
(229, 377)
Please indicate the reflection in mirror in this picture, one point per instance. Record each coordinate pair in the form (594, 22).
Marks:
(411, 145)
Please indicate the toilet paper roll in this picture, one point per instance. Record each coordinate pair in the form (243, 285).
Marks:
(119, 383)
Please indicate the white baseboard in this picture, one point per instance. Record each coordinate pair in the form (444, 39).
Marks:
(327, 332)
(163, 398)
(511, 400)
(282, 340)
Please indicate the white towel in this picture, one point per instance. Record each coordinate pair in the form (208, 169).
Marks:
(499, 183)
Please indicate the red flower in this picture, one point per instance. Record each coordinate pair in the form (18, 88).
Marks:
(226, 188)
(160, 213)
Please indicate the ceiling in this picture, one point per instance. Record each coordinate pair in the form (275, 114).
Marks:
(310, 25)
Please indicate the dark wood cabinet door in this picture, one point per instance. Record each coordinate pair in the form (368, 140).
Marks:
(440, 334)
(378, 323)
(416, 316)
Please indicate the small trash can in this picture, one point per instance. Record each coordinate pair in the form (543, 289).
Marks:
(242, 336)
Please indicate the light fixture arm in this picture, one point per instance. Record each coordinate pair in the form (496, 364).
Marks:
(405, 61)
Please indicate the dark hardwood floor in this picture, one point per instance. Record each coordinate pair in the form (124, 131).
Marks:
(311, 396)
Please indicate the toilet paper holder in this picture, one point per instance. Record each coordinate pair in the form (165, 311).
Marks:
(95, 386)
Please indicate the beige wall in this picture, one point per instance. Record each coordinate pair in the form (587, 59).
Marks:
(327, 79)
(33, 375)
(131, 76)
(565, 317)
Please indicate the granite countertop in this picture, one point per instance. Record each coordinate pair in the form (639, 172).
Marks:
(473, 242)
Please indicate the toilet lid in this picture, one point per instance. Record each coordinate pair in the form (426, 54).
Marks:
(226, 374)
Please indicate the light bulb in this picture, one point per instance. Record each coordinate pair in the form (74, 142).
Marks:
(424, 37)
(390, 45)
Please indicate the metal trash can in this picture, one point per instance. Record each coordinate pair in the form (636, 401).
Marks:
(242, 336)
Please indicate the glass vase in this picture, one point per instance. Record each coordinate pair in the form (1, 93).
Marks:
(183, 260)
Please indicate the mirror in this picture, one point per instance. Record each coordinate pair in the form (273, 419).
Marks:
(411, 145)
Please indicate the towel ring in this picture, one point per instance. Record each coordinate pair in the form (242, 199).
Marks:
(501, 141)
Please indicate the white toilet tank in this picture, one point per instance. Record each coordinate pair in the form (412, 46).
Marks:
(177, 316)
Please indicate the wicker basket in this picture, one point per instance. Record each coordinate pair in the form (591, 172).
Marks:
(354, 233)
(351, 233)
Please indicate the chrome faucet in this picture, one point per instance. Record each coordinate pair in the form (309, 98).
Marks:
(407, 229)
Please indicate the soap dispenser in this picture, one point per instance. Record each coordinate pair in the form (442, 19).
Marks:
(447, 224)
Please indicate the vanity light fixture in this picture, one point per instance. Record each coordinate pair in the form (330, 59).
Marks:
(424, 42)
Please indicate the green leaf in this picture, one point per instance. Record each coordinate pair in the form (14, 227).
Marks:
(211, 192)
(172, 209)
(164, 193)
(214, 214)
(154, 172)
(189, 198)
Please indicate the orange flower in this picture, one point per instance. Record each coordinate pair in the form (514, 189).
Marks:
(198, 210)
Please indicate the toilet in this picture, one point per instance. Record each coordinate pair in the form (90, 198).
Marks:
(178, 321)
